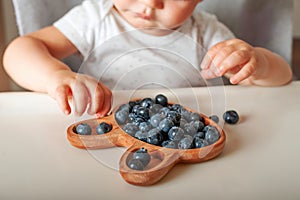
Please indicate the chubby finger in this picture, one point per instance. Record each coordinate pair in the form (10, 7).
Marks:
(106, 107)
(62, 94)
(245, 72)
(81, 98)
(97, 97)
(237, 58)
(100, 102)
(209, 56)
(208, 74)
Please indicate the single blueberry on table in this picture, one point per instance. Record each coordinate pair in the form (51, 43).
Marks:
(231, 117)
(103, 128)
(83, 129)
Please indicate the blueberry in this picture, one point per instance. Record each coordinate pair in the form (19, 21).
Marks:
(175, 133)
(136, 164)
(200, 134)
(199, 142)
(186, 142)
(103, 128)
(138, 120)
(165, 125)
(169, 144)
(135, 108)
(195, 117)
(207, 127)
(231, 117)
(141, 135)
(130, 128)
(83, 129)
(161, 99)
(198, 125)
(154, 137)
(164, 111)
(145, 126)
(174, 116)
(147, 103)
(215, 118)
(122, 116)
(177, 107)
(186, 115)
(212, 135)
(189, 129)
(125, 107)
(143, 112)
(182, 122)
(154, 109)
(155, 120)
(142, 155)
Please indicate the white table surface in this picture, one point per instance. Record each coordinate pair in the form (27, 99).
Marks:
(261, 158)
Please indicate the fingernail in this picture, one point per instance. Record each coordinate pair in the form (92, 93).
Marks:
(208, 73)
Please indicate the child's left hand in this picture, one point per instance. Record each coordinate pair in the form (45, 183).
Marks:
(235, 59)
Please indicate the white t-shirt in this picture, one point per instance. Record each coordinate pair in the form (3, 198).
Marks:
(122, 57)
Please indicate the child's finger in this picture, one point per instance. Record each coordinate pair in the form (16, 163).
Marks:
(61, 97)
(210, 55)
(237, 58)
(97, 97)
(246, 71)
(81, 98)
(107, 102)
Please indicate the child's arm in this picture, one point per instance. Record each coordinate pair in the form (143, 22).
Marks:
(33, 61)
(244, 64)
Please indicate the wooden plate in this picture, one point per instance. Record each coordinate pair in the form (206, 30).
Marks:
(162, 159)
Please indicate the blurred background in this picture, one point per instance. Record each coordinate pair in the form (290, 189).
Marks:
(8, 31)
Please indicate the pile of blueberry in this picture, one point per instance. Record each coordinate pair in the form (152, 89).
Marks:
(157, 122)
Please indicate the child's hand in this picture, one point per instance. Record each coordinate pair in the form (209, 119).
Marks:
(84, 91)
(235, 59)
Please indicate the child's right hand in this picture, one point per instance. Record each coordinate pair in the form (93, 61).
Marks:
(85, 92)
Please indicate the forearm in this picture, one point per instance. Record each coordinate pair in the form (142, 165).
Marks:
(273, 70)
(28, 61)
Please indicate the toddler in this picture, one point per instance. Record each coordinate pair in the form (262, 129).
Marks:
(127, 43)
